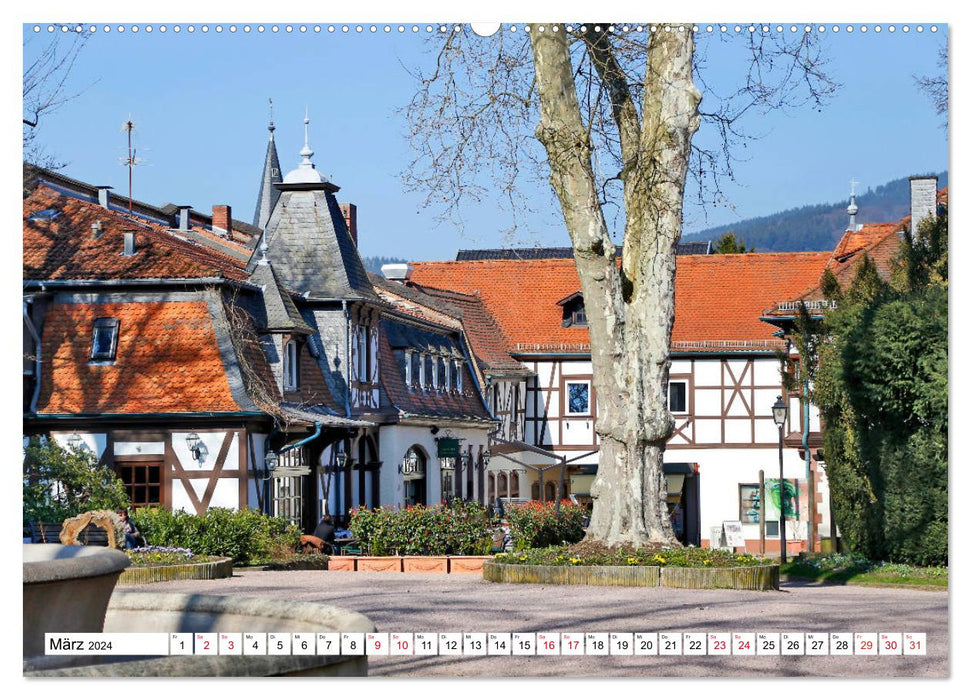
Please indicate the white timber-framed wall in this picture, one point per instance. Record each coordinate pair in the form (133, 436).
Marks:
(725, 427)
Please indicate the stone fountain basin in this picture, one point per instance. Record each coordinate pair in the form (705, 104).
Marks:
(66, 589)
(166, 613)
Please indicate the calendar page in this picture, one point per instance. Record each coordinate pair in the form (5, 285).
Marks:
(515, 349)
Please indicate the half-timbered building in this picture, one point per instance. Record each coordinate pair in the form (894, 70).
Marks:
(211, 362)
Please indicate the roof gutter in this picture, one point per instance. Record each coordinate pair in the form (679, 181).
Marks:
(44, 285)
(156, 416)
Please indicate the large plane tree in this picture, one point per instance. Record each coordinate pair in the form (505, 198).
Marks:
(616, 109)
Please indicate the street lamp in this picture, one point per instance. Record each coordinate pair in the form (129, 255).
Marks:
(779, 411)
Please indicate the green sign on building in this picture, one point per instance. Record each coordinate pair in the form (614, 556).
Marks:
(448, 447)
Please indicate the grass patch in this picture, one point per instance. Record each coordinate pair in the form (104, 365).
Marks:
(856, 570)
(597, 554)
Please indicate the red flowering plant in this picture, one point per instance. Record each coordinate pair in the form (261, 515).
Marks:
(536, 524)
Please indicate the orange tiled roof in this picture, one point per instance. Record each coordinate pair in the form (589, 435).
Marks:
(64, 248)
(167, 361)
(719, 298)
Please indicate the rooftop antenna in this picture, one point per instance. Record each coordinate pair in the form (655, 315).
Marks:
(131, 160)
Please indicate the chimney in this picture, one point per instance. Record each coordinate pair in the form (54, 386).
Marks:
(129, 244)
(184, 210)
(398, 272)
(222, 220)
(104, 195)
(97, 228)
(350, 219)
(923, 199)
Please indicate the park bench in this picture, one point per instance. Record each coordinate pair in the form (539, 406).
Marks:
(50, 533)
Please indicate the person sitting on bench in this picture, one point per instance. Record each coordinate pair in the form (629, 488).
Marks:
(133, 538)
(326, 531)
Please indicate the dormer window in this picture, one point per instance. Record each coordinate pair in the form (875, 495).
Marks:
(574, 313)
(434, 372)
(408, 378)
(458, 376)
(422, 375)
(104, 340)
(447, 369)
(290, 366)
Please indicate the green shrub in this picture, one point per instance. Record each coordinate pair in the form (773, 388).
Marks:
(464, 528)
(536, 524)
(247, 536)
(60, 483)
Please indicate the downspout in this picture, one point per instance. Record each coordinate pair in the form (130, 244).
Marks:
(810, 486)
(347, 358)
(37, 347)
(317, 430)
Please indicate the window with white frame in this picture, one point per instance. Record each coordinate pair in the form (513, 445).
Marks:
(678, 396)
(577, 400)
(434, 372)
(422, 377)
(408, 377)
(458, 375)
(290, 369)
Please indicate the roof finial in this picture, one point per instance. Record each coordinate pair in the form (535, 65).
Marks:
(306, 152)
(852, 209)
(305, 172)
(263, 248)
(271, 127)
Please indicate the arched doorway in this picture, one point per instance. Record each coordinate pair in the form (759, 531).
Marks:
(550, 489)
(413, 468)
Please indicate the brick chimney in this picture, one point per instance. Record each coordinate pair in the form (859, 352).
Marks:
(350, 218)
(222, 220)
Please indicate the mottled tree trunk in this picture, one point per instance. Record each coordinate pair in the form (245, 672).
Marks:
(630, 307)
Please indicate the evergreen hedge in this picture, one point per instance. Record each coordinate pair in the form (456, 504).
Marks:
(248, 536)
(882, 386)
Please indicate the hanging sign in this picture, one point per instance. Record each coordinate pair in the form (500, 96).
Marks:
(448, 447)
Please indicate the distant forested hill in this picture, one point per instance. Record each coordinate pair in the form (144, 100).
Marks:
(817, 226)
(373, 263)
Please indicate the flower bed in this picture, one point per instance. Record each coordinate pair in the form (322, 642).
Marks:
(592, 564)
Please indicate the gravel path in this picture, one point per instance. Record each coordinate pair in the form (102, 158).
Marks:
(446, 603)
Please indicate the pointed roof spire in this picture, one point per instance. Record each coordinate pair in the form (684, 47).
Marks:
(269, 194)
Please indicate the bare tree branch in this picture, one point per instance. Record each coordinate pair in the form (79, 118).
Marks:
(936, 86)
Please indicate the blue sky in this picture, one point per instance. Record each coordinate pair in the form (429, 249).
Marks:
(199, 102)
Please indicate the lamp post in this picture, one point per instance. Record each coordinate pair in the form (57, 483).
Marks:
(779, 411)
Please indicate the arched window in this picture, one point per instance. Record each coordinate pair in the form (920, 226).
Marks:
(413, 470)
(514, 485)
(290, 369)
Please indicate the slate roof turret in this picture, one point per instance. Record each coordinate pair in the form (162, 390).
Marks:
(308, 240)
(268, 196)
